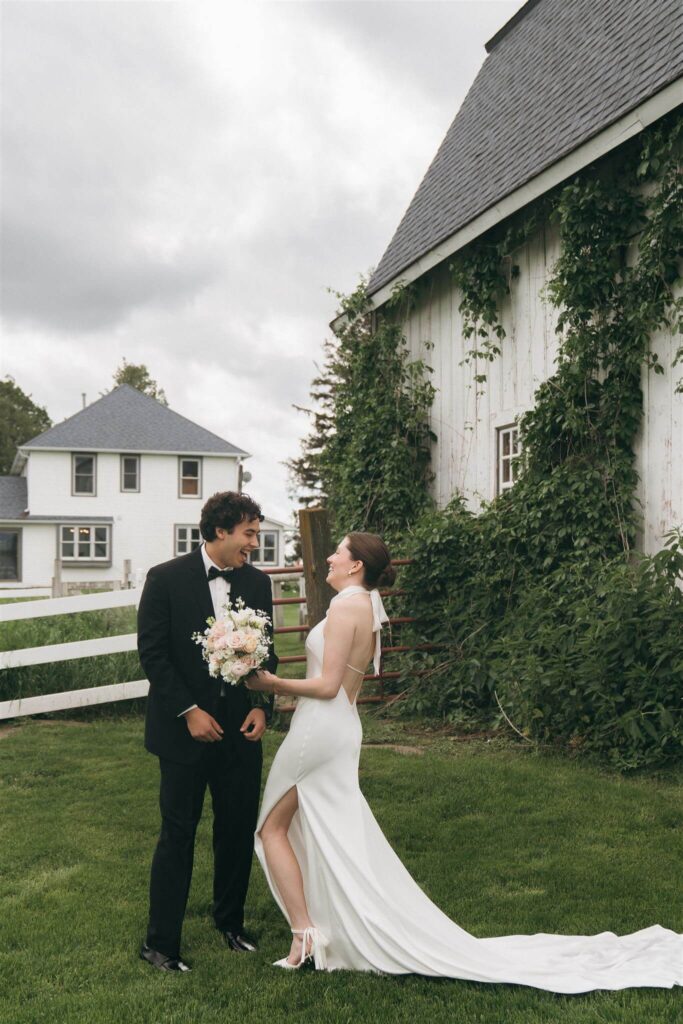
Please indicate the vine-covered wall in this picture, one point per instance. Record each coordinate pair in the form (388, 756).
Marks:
(544, 614)
(466, 412)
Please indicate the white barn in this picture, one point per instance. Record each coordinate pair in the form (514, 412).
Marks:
(565, 82)
(123, 480)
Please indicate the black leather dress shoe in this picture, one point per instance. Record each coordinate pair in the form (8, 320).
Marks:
(161, 961)
(238, 941)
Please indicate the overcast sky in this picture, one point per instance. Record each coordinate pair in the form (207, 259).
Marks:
(182, 183)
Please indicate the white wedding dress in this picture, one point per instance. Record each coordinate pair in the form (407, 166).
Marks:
(375, 916)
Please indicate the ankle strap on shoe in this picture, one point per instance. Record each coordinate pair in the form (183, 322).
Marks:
(318, 944)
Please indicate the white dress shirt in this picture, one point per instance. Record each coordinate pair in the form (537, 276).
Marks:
(220, 592)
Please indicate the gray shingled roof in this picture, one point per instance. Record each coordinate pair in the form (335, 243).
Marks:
(128, 420)
(559, 73)
(13, 496)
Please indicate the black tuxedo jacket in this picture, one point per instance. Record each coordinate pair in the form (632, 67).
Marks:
(176, 602)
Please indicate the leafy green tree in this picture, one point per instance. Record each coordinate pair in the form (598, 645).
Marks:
(367, 457)
(20, 420)
(137, 376)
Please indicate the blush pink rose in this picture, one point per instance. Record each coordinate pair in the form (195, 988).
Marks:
(250, 644)
(236, 640)
(239, 669)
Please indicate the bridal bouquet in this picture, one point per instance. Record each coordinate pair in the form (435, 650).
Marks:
(236, 644)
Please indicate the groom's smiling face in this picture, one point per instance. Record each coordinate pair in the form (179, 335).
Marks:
(231, 549)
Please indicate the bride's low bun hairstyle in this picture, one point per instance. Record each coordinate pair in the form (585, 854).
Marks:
(371, 550)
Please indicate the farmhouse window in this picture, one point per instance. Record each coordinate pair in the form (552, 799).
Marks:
(84, 543)
(83, 474)
(267, 551)
(508, 452)
(190, 478)
(130, 473)
(10, 555)
(187, 538)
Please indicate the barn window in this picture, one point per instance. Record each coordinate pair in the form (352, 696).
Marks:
(508, 452)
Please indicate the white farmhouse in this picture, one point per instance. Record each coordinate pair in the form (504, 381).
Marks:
(123, 480)
(565, 83)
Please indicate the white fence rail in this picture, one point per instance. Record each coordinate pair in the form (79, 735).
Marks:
(66, 605)
(68, 651)
(14, 593)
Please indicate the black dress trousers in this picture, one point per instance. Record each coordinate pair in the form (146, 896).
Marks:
(231, 767)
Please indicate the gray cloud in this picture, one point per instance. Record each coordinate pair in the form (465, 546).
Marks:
(181, 183)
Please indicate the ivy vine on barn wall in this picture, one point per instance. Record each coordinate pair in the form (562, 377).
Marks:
(544, 610)
(368, 454)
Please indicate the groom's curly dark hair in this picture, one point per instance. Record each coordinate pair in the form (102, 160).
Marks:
(226, 509)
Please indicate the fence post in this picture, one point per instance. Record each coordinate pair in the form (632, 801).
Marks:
(57, 578)
(316, 545)
(278, 609)
(126, 573)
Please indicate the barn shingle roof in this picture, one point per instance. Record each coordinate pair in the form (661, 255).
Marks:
(125, 419)
(558, 73)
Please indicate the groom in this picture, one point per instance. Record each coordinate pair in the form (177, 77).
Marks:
(204, 733)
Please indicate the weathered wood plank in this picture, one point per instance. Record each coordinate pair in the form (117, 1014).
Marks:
(316, 545)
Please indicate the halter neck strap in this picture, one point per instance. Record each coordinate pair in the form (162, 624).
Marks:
(379, 616)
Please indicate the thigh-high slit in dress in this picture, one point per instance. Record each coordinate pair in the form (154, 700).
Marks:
(376, 917)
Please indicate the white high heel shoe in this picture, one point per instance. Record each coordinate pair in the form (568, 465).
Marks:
(313, 946)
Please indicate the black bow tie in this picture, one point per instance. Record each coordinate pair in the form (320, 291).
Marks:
(223, 573)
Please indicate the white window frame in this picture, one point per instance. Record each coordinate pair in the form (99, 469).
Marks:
(507, 461)
(19, 532)
(198, 478)
(257, 556)
(83, 494)
(130, 490)
(187, 540)
(91, 558)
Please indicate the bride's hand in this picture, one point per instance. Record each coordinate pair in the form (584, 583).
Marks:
(262, 681)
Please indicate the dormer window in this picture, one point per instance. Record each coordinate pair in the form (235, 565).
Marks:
(190, 474)
(130, 473)
(83, 474)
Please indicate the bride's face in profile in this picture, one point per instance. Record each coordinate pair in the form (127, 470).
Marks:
(344, 570)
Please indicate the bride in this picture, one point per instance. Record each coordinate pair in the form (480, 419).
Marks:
(346, 895)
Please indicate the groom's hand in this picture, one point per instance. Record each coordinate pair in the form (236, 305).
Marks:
(202, 726)
(254, 725)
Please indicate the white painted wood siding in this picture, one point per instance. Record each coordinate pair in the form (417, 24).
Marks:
(465, 415)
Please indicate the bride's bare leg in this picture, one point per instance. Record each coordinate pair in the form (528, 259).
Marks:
(284, 867)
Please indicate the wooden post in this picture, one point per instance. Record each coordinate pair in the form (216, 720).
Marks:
(278, 609)
(316, 545)
(57, 578)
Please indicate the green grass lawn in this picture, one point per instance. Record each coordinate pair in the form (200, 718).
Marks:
(504, 839)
